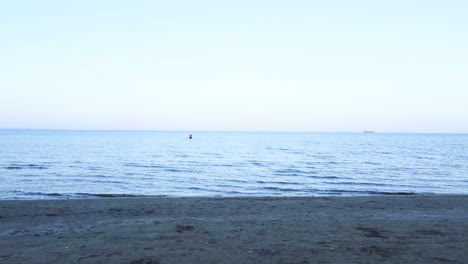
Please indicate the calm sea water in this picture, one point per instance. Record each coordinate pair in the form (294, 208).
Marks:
(60, 164)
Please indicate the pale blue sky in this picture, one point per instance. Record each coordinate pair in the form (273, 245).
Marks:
(342, 66)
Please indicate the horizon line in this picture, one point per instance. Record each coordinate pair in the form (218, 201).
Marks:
(222, 131)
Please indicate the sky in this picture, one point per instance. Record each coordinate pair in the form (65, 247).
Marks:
(299, 66)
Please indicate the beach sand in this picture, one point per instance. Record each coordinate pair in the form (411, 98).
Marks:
(370, 229)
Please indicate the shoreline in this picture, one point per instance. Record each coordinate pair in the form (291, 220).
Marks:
(87, 196)
(320, 229)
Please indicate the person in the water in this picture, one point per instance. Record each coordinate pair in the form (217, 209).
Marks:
(190, 136)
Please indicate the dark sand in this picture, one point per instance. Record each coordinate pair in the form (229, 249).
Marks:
(372, 229)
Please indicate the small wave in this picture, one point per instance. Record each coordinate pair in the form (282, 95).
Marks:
(99, 176)
(296, 173)
(195, 188)
(237, 181)
(361, 184)
(290, 172)
(138, 165)
(78, 195)
(39, 194)
(344, 192)
(257, 163)
(211, 154)
(279, 189)
(327, 177)
(179, 170)
(339, 191)
(371, 163)
(34, 166)
(94, 168)
(224, 165)
(107, 195)
(91, 180)
(209, 190)
(278, 182)
(392, 193)
(25, 166)
(384, 152)
(13, 168)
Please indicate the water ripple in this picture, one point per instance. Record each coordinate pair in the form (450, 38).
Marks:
(91, 164)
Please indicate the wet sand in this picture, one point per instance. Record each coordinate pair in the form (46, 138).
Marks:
(372, 229)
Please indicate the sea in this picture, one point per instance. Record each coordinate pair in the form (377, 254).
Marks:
(52, 164)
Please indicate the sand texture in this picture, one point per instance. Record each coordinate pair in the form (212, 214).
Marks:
(372, 229)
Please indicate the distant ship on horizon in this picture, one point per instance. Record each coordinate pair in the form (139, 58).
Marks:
(369, 131)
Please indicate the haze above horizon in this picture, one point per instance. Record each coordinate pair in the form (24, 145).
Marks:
(298, 66)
